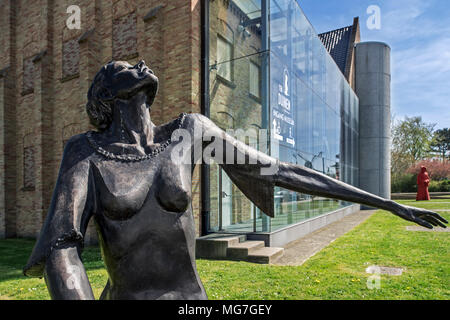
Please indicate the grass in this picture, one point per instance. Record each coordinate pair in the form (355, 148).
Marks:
(336, 272)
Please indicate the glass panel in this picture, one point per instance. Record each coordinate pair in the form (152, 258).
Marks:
(283, 114)
(304, 121)
(319, 145)
(224, 57)
(302, 46)
(311, 111)
(239, 23)
(254, 79)
(252, 8)
(310, 97)
(214, 198)
(318, 54)
(226, 200)
(330, 133)
(236, 105)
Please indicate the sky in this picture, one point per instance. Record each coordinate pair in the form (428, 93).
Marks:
(418, 32)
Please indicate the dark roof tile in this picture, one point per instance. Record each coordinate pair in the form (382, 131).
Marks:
(337, 44)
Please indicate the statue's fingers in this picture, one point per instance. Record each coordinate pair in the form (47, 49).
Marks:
(441, 224)
(436, 221)
(439, 217)
(434, 215)
(431, 220)
(423, 223)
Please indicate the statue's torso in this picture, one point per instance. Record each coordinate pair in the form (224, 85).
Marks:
(146, 228)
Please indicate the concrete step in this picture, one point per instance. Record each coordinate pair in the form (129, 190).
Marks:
(241, 250)
(265, 255)
(214, 246)
(235, 247)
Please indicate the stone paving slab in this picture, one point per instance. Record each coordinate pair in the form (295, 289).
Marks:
(384, 270)
(419, 228)
(300, 250)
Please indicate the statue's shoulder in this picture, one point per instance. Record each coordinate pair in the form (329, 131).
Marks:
(192, 122)
(195, 116)
(78, 146)
(183, 121)
(192, 119)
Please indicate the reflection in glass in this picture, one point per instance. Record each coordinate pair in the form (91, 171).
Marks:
(224, 57)
(254, 79)
(323, 106)
(310, 108)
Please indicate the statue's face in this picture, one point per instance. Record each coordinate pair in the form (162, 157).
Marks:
(125, 80)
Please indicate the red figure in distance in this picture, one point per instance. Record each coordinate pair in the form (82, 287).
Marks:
(423, 180)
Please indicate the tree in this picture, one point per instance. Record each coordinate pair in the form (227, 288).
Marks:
(411, 141)
(441, 142)
(437, 170)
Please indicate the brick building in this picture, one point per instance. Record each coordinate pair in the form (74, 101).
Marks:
(230, 60)
(47, 68)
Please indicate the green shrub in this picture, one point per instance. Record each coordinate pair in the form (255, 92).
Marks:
(408, 183)
(404, 183)
(439, 186)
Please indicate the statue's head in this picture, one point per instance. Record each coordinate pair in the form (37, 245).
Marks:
(423, 169)
(118, 80)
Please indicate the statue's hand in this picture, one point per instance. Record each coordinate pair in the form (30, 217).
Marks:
(423, 217)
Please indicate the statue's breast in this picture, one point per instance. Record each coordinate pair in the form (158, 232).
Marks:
(123, 187)
(173, 187)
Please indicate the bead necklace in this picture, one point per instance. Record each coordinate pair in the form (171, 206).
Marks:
(130, 157)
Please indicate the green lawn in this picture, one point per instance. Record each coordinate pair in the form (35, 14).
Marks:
(337, 272)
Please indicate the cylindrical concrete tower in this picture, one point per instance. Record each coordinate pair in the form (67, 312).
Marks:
(373, 87)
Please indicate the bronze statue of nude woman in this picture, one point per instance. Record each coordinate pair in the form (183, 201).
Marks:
(124, 177)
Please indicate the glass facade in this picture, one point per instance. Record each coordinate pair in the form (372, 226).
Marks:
(269, 69)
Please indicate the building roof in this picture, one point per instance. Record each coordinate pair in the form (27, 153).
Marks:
(340, 43)
(337, 44)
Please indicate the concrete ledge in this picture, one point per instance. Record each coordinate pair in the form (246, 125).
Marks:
(412, 195)
(293, 232)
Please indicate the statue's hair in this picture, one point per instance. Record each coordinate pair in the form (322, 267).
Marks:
(100, 101)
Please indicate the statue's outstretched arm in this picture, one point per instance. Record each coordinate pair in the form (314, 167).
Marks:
(304, 180)
(57, 253)
(257, 180)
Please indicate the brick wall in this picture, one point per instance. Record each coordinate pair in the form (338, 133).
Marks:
(8, 101)
(60, 63)
(70, 59)
(124, 37)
